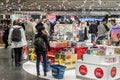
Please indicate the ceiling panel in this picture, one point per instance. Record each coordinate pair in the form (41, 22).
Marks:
(59, 5)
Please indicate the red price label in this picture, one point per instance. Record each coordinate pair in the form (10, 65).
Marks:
(113, 71)
(83, 70)
(98, 73)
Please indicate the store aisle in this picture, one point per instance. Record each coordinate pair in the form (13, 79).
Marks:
(9, 72)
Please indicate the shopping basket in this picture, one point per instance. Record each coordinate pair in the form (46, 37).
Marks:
(58, 71)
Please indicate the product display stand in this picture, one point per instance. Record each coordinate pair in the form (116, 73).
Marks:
(97, 69)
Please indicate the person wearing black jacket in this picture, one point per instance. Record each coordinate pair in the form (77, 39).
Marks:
(93, 31)
(41, 33)
(5, 34)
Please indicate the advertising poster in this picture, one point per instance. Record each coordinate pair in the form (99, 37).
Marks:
(115, 33)
(51, 17)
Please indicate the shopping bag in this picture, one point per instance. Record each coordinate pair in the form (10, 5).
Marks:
(25, 52)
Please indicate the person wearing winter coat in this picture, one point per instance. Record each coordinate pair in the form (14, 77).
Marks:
(5, 35)
(102, 30)
(83, 32)
(42, 51)
(17, 46)
(93, 31)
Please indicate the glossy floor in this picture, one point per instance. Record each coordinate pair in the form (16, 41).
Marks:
(30, 68)
(9, 72)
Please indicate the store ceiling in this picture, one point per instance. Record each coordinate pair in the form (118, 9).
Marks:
(60, 5)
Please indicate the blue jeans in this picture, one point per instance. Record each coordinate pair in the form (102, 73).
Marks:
(93, 36)
(38, 54)
(81, 34)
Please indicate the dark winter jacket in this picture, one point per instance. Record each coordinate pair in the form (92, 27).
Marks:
(93, 29)
(45, 38)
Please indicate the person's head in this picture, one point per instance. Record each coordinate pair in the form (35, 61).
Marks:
(113, 21)
(38, 25)
(104, 21)
(32, 20)
(6, 24)
(15, 22)
(41, 29)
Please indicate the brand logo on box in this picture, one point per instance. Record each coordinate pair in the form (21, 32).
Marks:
(113, 71)
(98, 73)
(83, 70)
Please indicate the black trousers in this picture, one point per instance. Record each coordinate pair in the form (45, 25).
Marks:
(18, 55)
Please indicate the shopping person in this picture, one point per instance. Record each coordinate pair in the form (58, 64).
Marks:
(83, 32)
(5, 34)
(40, 49)
(103, 30)
(115, 26)
(17, 40)
(93, 31)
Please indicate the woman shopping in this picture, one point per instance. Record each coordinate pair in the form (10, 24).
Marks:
(17, 40)
(40, 44)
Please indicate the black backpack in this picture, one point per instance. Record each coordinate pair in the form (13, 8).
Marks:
(16, 35)
(39, 43)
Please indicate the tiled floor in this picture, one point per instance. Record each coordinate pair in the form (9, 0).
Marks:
(9, 72)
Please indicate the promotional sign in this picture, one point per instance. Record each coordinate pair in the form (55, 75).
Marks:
(115, 33)
(83, 70)
(98, 73)
(113, 71)
(51, 17)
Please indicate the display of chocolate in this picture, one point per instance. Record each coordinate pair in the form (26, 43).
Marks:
(59, 43)
(104, 42)
(95, 51)
(117, 51)
(100, 53)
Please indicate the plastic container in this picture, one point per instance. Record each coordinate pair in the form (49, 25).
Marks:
(58, 71)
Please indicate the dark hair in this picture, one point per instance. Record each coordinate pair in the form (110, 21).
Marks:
(15, 22)
(40, 29)
(113, 20)
(104, 20)
(38, 26)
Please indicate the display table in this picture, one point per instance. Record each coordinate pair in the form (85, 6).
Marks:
(78, 50)
(97, 70)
